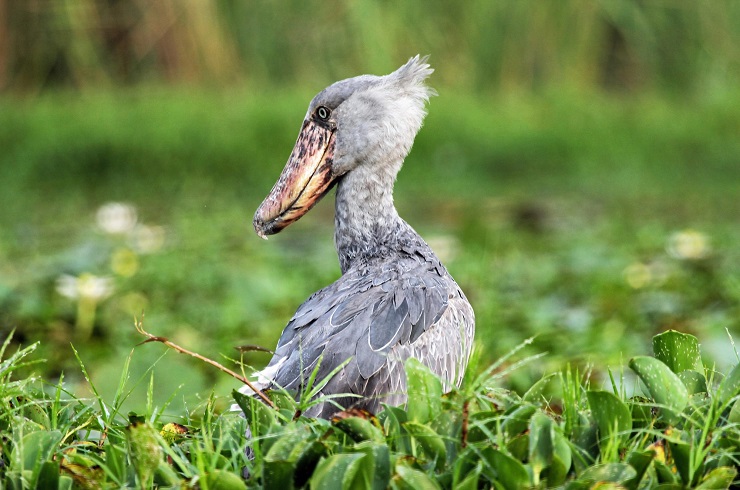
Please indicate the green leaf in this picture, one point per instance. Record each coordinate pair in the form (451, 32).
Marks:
(665, 474)
(540, 443)
(424, 392)
(585, 437)
(144, 450)
(535, 392)
(224, 480)
(260, 416)
(679, 351)
(430, 442)
(281, 463)
(392, 419)
(33, 450)
(65, 483)
(470, 482)
(306, 459)
(409, 478)
(336, 472)
(681, 453)
(359, 429)
(730, 386)
(449, 427)
(640, 461)
(663, 384)
(611, 414)
(48, 475)
(609, 472)
(517, 421)
(561, 449)
(509, 472)
(376, 466)
(165, 476)
(693, 381)
(718, 478)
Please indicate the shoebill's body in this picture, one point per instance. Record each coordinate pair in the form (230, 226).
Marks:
(395, 299)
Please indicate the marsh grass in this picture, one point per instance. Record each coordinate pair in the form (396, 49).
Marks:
(481, 434)
(622, 45)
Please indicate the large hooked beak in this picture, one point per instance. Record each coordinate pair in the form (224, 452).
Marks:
(306, 178)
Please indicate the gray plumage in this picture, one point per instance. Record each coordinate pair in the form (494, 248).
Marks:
(395, 299)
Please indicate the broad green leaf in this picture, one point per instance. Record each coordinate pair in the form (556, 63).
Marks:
(640, 461)
(470, 482)
(65, 483)
(730, 386)
(279, 474)
(224, 480)
(663, 384)
(376, 465)
(165, 475)
(536, 391)
(336, 472)
(556, 473)
(359, 429)
(609, 472)
(641, 412)
(33, 450)
(665, 474)
(517, 421)
(509, 472)
(144, 450)
(518, 447)
(679, 351)
(585, 437)
(693, 381)
(482, 425)
(257, 412)
(306, 458)
(681, 453)
(292, 457)
(284, 447)
(449, 427)
(411, 479)
(424, 392)
(718, 478)
(562, 455)
(611, 414)
(432, 444)
(392, 419)
(540, 443)
(48, 476)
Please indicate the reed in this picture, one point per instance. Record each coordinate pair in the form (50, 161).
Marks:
(483, 45)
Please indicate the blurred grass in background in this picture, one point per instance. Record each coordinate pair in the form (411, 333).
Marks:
(578, 172)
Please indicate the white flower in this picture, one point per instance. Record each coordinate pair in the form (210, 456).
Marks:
(689, 245)
(116, 218)
(148, 239)
(86, 286)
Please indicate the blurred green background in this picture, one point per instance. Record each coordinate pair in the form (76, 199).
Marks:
(578, 173)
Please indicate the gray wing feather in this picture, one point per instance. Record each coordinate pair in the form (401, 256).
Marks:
(361, 316)
(377, 317)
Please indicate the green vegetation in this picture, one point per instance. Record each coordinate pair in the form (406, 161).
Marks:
(575, 219)
(678, 429)
(587, 221)
(623, 45)
(578, 174)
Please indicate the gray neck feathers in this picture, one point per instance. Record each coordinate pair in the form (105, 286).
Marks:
(366, 221)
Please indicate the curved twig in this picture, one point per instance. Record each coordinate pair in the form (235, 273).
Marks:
(153, 338)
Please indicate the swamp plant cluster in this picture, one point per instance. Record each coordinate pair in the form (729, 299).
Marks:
(669, 421)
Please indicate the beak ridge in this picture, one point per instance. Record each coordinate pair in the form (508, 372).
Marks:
(306, 178)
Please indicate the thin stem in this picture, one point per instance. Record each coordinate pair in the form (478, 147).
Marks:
(153, 338)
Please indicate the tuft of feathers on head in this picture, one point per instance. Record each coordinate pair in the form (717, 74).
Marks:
(411, 78)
